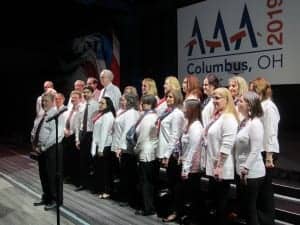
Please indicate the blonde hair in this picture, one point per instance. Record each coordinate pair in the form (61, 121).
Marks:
(242, 84)
(75, 92)
(230, 107)
(174, 83)
(152, 86)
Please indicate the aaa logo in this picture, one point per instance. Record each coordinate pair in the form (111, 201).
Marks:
(220, 37)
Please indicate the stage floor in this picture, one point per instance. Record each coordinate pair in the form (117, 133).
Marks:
(16, 208)
(19, 174)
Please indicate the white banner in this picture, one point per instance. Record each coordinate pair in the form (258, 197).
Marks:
(256, 38)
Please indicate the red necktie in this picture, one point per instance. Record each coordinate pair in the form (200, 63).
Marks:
(97, 117)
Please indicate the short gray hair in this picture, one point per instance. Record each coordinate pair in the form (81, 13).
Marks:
(108, 73)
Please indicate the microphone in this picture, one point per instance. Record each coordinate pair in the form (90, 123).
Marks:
(56, 115)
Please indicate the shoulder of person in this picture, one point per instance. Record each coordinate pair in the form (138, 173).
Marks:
(196, 125)
(228, 116)
(256, 122)
(178, 111)
(151, 115)
(108, 115)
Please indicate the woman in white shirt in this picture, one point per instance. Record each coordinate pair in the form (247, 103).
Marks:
(210, 83)
(171, 82)
(248, 146)
(145, 150)
(188, 187)
(220, 136)
(270, 121)
(128, 164)
(101, 147)
(170, 125)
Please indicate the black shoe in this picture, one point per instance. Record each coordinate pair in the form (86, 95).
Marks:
(50, 206)
(42, 202)
(123, 204)
(80, 188)
(144, 213)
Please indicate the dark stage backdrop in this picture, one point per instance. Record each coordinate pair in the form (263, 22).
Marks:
(34, 46)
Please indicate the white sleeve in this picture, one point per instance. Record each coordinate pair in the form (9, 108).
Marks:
(193, 146)
(103, 132)
(228, 132)
(38, 105)
(256, 143)
(51, 140)
(145, 130)
(271, 121)
(77, 122)
(129, 119)
(176, 132)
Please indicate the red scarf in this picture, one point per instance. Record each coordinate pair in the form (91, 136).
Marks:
(161, 101)
(96, 117)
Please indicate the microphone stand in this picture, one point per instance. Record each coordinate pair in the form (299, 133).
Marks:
(59, 184)
(58, 174)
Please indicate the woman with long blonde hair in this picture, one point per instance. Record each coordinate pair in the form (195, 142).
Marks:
(218, 141)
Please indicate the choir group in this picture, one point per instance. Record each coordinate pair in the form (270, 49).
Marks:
(226, 134)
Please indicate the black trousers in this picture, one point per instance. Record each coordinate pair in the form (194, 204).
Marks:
(103, 171)
(128, 178)
(85, 158)
(47, 171)
(70, 158)
(174, 179)
(219, 194)
(266, 200)
(147, 179)
(250, 193)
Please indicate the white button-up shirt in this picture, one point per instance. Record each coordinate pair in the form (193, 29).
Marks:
(47, 134)
(102, 133)
(113, 92)
(147, 140)
(220, 139)
(170, 131)
(121, 126)
(92, 109)
(270, 121)
(191, 148)
(248, 147)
